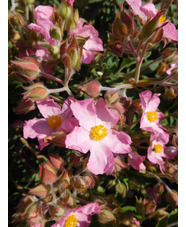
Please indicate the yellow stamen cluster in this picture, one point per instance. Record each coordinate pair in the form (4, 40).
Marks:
(98, 132)
(162, 19)
(158, 148)
(54, 121)
(71, 221)
(152, 116)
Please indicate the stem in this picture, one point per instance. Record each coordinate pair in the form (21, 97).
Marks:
(160, 180)
(132, 49)
(57, 90)
(53, 193)
(168, 5)
(48, 76)
(56, 99)
(26, 13)
(139, 62)
(163, 5)
(145, 67)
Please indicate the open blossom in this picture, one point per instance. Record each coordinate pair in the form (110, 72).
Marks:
(80, 216)
(136, 161)
(156, 150)
(55, 119)
(94, 43)
(42, 16)
(96, 134)
(149, 9)
(150, 120)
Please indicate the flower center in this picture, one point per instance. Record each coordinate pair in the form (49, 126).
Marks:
(71, 221)
(162, 19)
(158, 148)
(98, 132)
(54, 121)
(152, 116)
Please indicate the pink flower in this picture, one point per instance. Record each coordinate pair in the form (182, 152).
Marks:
(149, 9)
(150, 120)
(135, 221)
(96, 134)
(156, 150)
(94, 43)
(55, 119)
(136, 161)
(69, 2)
(80, 216)
(42, 16)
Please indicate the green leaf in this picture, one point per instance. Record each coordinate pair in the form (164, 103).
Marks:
(129, 209)
(163, 222)
(173, 216)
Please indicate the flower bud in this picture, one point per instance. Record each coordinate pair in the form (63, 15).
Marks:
(162, 68)
(106, 216)
(172, 198)
(170, 93)
(40, 190)
(121, 189)
(47, 173)
(57, 162)
(118, 28)
(92, 88)
(36, 92)
(70, 24)
(21, 78)
(111, 97)
(17, 124)
(111, 184)
(54, 51)
(171, 152)
(76, 159)
(27, 66)
(169, 54)
(55, 33)
(64, 180)
(65, 10)
(90, 181)
(80, 183)
(27, 2)
(150, 26)
(25, 106)
(128, 21)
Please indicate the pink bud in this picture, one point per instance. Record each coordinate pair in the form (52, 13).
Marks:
(36, 92)
(25, 106)
(40, 190)
(92, 88)
(27, 66)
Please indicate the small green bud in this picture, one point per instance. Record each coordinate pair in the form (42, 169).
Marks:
(55, 33)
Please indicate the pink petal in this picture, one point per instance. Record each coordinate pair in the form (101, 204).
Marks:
(119, 142)
(66, 110)
(95, 44)
(35, 27)
(69, 124)
(149, 9)
(136, 7)
(105, 115)
(145, 97)
(161, 137)
(87, 56)
(36, 128)
(79, 140)
(101, 159)
(170, 31)
(89, 209)
(154, 102)
(136, 161)
(85, 113)
(48, 108)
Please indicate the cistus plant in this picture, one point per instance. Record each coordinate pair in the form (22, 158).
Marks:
(93, 136)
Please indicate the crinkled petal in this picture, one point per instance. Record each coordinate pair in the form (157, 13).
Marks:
(108, 116)
(87, 56)
(79, 140)
(119, 142)
(95, 44)
(69, 124)
(85, 112)
(145, 97)
(35, 27)
(161, 137)
(149, 9)
(36, 128)
(136, 161)
(66, 110)
(101, 159)
(154, 102)
(170, 31)
(48, 108)
(136, 7)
